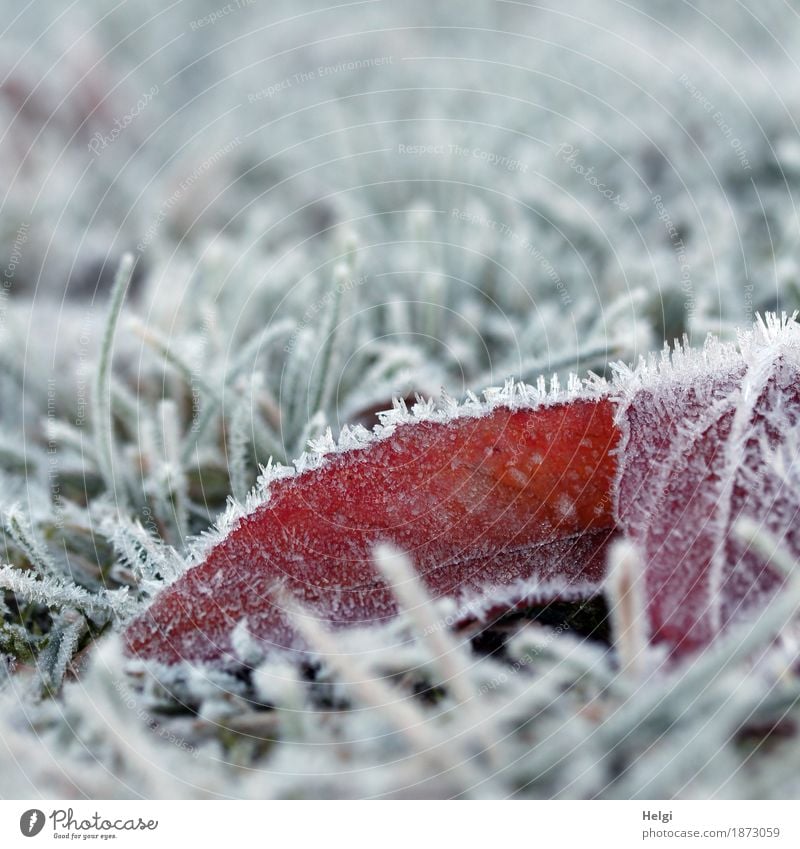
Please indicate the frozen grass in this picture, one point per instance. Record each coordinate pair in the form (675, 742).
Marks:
(294, 271)
(409, 710)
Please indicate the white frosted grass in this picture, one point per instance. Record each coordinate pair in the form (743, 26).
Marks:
(153, 563)
(690, 686)
(724, 698)
(627, 602)
(19, 529)
(102, 418)
(446, 651)
(442, 754)
(54, 592)
(542, 274)
(562, 690)
(238, 444)
(542, 686)
(56, 658)
(449, 657)
(672, 712)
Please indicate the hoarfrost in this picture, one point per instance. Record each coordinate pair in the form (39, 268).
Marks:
(701, 434)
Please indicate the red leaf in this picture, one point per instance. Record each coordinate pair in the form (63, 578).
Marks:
(502, 505)
(698, 439)
(491, 507)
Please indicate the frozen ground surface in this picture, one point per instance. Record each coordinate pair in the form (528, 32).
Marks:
(328, 207)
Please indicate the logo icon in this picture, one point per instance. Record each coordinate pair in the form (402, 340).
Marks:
(31, 822)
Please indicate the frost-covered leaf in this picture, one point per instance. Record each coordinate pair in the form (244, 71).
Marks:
(515, 499)
(496, 503)
(702, 433)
